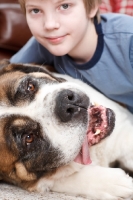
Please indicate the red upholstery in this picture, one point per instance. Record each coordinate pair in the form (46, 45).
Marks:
(14, 31)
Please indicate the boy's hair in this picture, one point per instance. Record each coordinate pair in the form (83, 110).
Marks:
(89, 5)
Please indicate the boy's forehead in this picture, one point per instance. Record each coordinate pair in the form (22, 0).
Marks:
(54, 1)
(32, 2)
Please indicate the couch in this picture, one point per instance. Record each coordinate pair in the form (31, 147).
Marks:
(14, 31)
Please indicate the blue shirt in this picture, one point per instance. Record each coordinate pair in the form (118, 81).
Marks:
(111, 68)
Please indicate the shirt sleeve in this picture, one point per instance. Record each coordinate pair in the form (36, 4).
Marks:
(32, 52)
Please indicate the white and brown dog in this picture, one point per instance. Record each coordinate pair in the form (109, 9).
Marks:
(50, 131)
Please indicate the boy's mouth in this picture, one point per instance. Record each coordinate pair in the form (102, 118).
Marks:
(55, 39)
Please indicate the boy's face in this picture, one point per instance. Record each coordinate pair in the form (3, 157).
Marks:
(61, 26)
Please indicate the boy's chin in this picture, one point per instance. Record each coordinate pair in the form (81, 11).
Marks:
(58, 52)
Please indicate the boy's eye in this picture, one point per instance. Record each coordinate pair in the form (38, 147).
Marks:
(35, 10)
(64, 6)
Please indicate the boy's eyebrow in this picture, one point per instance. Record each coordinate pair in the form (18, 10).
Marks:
(30, 4)
(57, 1)
(60, 1)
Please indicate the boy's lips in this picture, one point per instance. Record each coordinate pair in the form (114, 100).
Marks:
(55, 39)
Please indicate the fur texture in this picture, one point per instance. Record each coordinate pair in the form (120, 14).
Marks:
(41, 133)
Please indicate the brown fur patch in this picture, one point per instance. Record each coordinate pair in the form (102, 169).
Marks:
(23, 174)
(20, 164)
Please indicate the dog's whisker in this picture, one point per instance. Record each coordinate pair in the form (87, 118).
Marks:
(43, 63)
(82, 77)
(39, 69)
(76, 73)
(41, 66)
(62, 69)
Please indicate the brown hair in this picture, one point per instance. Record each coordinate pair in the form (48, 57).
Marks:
(89, 5)
(22, 4)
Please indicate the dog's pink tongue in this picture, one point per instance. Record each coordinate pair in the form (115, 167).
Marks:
(84, 157)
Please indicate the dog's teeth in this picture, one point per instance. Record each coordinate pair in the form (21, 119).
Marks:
(97, 132)
(94, 103)
(78, 109)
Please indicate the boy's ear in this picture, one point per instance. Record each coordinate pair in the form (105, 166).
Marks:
(93, 11)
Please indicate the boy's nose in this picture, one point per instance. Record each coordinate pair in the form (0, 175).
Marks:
(51, 22)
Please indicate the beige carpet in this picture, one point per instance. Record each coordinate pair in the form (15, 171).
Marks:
(8, 192)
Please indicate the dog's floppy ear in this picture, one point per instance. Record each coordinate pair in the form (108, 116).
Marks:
(6, 66)
(4, 63)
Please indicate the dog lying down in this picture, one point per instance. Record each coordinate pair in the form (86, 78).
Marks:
(53, 136)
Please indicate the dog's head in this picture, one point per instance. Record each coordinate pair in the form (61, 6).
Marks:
(43, 122)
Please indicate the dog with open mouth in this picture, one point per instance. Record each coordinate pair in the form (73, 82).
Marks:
(53, 136)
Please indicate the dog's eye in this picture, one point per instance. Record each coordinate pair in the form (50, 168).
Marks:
(29, 139)
(30, 87)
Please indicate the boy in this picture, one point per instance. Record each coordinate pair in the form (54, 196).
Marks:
(68, 35)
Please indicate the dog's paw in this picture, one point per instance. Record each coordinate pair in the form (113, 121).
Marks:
(41, 186)
(109, 184)
(97, 183)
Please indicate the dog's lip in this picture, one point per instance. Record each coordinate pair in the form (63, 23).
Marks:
(106, 126)
(101, 123)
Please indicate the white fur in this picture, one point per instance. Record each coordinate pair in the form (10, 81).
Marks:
(92, 181)
(95, 182)
(66, 137)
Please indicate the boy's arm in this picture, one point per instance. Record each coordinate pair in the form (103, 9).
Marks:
(32, 52)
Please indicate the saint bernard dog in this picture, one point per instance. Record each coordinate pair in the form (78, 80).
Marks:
(59, 134)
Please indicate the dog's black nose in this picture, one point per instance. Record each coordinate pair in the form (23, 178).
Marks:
(70, 104)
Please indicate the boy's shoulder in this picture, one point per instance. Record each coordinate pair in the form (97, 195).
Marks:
(116, 23)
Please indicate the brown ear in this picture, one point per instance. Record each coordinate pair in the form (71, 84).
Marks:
(4, 63)
(6, 66)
